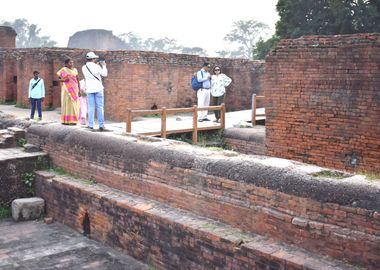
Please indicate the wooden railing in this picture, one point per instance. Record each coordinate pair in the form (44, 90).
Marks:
(254, 107)
(163, 112)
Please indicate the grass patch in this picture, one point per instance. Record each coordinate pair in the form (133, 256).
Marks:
(21, 142)
(5, 211)
(211, 139)
(331, 174)
(28, 180)
(61, 171)
(371, 176)
(58, 171)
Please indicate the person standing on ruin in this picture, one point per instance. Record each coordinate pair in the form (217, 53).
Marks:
(93, 73)
(36, 94)
(203, 94)
(68, 76)
(219, 82)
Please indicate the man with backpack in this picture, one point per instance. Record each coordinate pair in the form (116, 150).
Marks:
(203, 94)
(36, 94)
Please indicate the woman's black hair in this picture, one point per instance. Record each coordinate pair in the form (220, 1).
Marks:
(213, 70)
(67, 60)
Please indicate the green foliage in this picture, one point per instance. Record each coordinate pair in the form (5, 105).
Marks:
(28, 180)
(210, 139)
(91, 181)
(21, 142)
(28, 35)
(5, 211)
(133, 41)
(182, 137)
(246, 34)
(263, 48)
(372, 176)
(327, 17)
(331, 174)
(58, 171)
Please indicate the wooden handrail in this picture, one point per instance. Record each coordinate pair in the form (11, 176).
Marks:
(254, 107)
(164, 112)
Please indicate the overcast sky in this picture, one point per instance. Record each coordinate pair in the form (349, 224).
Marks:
(192, 23)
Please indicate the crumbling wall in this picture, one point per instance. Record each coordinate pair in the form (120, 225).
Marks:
(7, 37)
(324, 101)
(136, 80)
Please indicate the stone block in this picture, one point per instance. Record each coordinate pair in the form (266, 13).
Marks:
(30, 148)
(27, 208)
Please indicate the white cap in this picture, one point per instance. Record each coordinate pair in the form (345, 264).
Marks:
(91, 55)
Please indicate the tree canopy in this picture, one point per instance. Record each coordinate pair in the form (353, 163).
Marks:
(327, 17)
(134, 42)
(28, 35)
(246, 34)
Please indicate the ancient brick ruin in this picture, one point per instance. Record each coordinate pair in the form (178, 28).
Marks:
(137, 80)
(324, 101)
(7, 37)
(167, 196)
(176, 206)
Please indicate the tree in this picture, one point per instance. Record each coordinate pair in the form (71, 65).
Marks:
(134, 42)
(246, 34)
(28, 35)
(193, 50)
(327, 17)
(161, 45)
(262, 47)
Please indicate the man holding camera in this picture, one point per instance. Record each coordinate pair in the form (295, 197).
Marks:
(93, 73)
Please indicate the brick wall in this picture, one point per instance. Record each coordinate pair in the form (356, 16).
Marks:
(267, 196)
(12, 172)
(246, 140)
(137, 80)
(165, 237)
(7, 37)
(324, 101)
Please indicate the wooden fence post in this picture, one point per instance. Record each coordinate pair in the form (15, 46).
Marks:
(222, 115)
(195, 124)
(129, 121)
(253, 120)
(163, 123)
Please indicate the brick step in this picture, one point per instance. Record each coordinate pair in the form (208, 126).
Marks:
(164, 236)
(344, 233)
(9, 137)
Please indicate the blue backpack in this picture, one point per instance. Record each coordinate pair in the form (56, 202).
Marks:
(194, 82)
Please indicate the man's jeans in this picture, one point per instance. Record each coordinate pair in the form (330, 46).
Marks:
(95, 100)
(36, 102)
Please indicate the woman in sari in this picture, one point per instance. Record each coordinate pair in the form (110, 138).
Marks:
(68, 76)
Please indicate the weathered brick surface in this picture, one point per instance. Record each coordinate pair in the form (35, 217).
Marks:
(262, 195)
(7, 37)
(165, 237)
(246, 140)
(136, 80)
(324, 101)
(14, 163)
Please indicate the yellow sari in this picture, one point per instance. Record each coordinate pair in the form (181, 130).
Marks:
(69, 96)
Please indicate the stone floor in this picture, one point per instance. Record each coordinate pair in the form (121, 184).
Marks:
(145, 124)
(33, 245)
